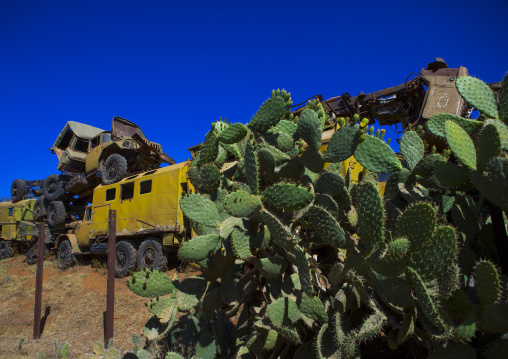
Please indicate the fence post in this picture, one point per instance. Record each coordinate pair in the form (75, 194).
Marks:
(38, 281)
(110, 301)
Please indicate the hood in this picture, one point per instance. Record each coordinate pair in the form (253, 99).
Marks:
(123, 129)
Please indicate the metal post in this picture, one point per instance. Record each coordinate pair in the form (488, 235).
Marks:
(110, 302)
(38, 282)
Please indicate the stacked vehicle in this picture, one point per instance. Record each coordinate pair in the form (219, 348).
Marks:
(87, 157)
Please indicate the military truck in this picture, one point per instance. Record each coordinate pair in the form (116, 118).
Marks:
(87, 157)
(18, 231)
(149, 221)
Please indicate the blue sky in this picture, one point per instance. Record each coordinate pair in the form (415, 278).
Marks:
(175, 67)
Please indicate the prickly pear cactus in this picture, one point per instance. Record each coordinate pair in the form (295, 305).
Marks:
(306, 262)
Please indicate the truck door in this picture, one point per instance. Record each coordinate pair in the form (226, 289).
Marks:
(82, 229)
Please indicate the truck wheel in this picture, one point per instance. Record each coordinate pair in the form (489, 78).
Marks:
(115, 169)
(54, 188)
(18, 190)
(33, 252)
(151, 253)
(5, 250)
(40, 208)
(56, 214)
(64, 257)
(125, 258)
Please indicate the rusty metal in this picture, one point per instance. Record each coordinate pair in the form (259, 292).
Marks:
(38, 282)
(110, 301)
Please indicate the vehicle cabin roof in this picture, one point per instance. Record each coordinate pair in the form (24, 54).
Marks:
(71, 129)
(9, 204)
(86, 132)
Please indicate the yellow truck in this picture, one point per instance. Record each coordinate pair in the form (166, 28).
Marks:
(149, 221)
(17, 229)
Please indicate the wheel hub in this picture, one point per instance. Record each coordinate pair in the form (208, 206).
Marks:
(121, 258)
(111, 171)
(149, 257)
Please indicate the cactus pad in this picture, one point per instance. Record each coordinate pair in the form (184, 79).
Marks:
(478, 95)
(251, 168)
(241, 204)
(309, 129)
(233, 134)
(206, 347)
(268, 115)
(343, 143)
(329, 183)
(436, 124)
(449, 174)
(312, 307)
(200, 210)
(162, 308)
(370, 215)
(150, 283)
(411, 147)
(376, 156)
(198, 248)
(287, 197)
(489, 146)
(436, 255)
(209, 178)
(424, 301)
(271, 267)
(503, 100)
(461, 145)
(326, 226)
(494, 317)
(313, 160)
(417, 224)
(279, 233)
(283, 314)
(487, 282)
(209, 149)
(241, 244)
(284, 126)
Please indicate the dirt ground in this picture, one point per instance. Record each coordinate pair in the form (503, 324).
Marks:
(73, 303)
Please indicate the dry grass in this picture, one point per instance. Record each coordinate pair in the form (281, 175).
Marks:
(73, 302)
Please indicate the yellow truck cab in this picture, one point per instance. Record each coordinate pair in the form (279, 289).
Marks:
(16, 226)
(149, 221)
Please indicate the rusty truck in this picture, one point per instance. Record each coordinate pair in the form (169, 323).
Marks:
(149, 221)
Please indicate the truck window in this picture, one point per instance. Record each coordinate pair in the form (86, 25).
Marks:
(66, 139)
(88, 215)
(110, 194)
(106, 137)
(94, 142)
(145, 187)
(127, 191)
(11, 211)
(81, 145)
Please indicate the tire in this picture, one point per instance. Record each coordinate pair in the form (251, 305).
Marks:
(5, 250)
(54, 188)
(114, 170)
(18, 190)
(33, 253)
(56, 214)
(151, 253)
(40, 208)
(125, 262)
(64, 257)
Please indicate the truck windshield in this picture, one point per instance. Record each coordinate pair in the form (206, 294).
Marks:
(106, 137)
